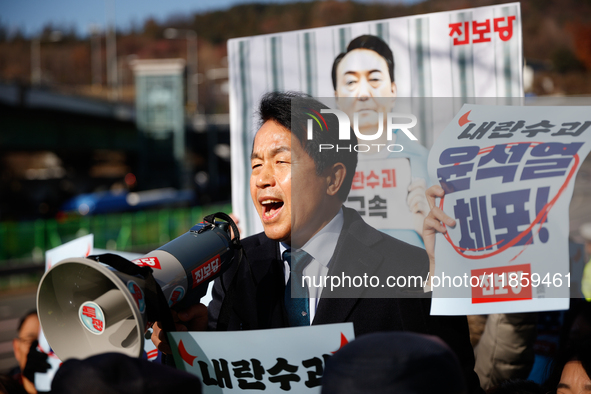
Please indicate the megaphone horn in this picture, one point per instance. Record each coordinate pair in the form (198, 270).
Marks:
(87, 307)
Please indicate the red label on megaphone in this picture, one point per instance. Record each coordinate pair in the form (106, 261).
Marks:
(92, 317)
(151, 262)
(206, 270)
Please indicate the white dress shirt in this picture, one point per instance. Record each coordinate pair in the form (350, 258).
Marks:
(321, 247)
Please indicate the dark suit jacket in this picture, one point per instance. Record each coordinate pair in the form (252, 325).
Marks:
(361, 249)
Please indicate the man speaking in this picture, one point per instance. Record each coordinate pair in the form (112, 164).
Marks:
(298, 192)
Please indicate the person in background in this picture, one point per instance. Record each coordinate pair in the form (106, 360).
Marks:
(506, 348)
(28, 332)
(585, 231)
(116, 373)
(586, 279)
(572, 370)
(394, 362)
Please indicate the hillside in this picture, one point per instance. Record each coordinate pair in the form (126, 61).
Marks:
(557, 41)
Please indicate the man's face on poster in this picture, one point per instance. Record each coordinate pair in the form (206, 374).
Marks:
(364, 86)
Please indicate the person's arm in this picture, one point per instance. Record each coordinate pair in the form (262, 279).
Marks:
(434, 223)
(452, 329)
(193, 318)
(417, 203)
(506, 348)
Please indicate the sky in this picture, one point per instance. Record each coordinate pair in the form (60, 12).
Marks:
(31, 15)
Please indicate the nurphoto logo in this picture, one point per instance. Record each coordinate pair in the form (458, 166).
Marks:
(392, 124)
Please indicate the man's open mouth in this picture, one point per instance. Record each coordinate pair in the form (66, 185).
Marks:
(271, 207)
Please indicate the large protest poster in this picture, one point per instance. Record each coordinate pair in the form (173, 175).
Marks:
(508, 173)
(270, 361)
(473, 52)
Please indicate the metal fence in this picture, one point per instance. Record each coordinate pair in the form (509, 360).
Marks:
(137, 231)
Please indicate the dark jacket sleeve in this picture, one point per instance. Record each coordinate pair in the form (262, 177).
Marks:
(251, 292)
(213, 309)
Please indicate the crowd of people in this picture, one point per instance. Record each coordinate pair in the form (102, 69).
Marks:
(382, 362)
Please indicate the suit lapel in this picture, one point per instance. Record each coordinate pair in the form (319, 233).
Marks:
(264, 259)
(353, 257)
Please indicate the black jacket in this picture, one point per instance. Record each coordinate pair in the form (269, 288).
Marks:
(361, 249)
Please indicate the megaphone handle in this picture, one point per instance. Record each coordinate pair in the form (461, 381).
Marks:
(236, 245)
(227, 218)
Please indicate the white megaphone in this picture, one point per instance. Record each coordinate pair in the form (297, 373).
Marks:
(86, 307)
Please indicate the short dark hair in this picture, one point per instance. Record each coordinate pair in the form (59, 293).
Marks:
(277, 106)
(372, 43)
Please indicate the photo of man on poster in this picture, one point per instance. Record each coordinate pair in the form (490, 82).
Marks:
(389, 186)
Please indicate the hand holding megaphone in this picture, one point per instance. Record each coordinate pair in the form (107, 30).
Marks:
(88, 307)
(194, 318)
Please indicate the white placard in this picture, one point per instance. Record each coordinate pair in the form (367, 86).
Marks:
(474, 52)
(379, 192)
(79, 247)
(509, 174)
(270, 361)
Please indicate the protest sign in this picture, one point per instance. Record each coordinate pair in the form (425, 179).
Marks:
(79, 247)
(385, 183)
(272, 361)
(474, 52)
(508, 173)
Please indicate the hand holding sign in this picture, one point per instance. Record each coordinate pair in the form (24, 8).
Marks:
(508, 174)
(417, 203)
(193, 318)
(435, 222)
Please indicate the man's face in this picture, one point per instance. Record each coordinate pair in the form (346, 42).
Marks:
(280, 164)
(28, 333)
(364, 86)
